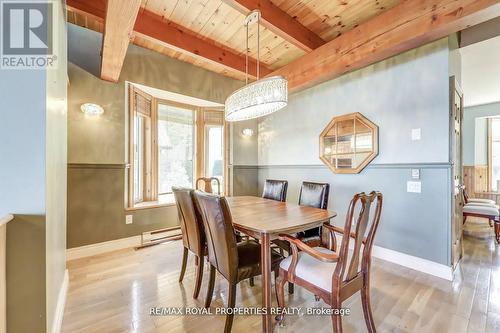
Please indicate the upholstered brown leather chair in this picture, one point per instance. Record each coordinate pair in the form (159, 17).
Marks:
(275, 189)
(234, 261)
(193, 235)
(313, 195)
(336, 273)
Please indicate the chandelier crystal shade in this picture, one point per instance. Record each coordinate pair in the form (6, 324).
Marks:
(258, 98)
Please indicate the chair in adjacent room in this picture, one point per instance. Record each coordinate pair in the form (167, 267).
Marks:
(474, 201)
(336, 273)
(193, 235)
(234, 261)
(275, 189)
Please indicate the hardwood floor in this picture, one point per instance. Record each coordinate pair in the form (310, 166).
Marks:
(114, 293)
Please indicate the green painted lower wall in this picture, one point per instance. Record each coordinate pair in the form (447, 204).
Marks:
(96, 207)
(26, 278)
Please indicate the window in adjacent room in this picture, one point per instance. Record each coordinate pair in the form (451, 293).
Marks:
(494, 153)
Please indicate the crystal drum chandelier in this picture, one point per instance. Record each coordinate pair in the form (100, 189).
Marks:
(261, 97)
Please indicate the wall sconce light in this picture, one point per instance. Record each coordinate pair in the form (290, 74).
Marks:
(92, 109)
(247, 132)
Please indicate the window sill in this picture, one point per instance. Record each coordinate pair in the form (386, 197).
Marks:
(164, 200)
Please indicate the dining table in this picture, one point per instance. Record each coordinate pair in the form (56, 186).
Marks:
(265, 220)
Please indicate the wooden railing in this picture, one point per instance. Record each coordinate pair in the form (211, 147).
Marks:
(3, 289)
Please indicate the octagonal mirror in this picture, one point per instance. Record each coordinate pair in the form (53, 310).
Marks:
(349, 143)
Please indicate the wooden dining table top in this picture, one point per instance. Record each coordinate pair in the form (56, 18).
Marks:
(270, 216)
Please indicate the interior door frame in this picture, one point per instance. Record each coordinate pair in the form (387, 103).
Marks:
(456, 235)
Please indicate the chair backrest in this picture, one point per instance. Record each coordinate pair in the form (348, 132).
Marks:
(207, 184)
(364, 232)
(221, 239)
(275, 189)
(193, 235)
(314, 195)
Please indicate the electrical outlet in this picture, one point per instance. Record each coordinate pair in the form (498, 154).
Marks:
(414, 187)
(129, 219)
(415, 173)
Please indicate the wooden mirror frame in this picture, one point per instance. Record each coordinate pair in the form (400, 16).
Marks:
(372, 154)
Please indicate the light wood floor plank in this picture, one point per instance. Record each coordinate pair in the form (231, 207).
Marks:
(114, 292)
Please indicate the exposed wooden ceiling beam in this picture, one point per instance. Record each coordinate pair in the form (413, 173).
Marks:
(120, 20)
(154, 27)
(280, 23)
(408, 25)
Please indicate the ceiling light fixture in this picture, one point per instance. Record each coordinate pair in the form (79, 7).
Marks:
(92, 109)
(261, 97)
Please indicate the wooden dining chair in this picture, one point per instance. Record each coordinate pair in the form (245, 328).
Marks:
(335, 274)
(275, 189)
(193, 234)
(234, 261)
(207, 184)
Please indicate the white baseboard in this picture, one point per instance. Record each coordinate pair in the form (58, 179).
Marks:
(61, 303)
(99, 248)
(406, 260)
(416, 263)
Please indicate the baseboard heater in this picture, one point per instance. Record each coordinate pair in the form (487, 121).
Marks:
(155, 237)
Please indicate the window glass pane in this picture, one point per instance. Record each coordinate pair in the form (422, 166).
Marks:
(138, 158)
(214, 162)
(175, 147)
(495, 153)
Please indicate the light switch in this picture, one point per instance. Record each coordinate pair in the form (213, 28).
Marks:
(416, 134)
(413, 187)
(129, 219)
(415, 173)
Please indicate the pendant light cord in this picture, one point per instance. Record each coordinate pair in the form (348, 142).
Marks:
(247, 50)
(246, 58)
(258, 45)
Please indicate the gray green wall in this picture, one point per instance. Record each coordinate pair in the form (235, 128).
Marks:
(475, 133)
(408, 91)
(97, 145)
(33, 122)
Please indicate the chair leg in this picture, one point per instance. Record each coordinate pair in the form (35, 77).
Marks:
(210, 288)
(497, 232)
(280, 296)
(316, 298)
(231, 301)
(367, 309)
(252, 282)
(184, 263)
(290, 288)
(199, 276)
(337, 319)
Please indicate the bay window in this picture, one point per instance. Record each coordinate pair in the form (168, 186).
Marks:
(171, 144)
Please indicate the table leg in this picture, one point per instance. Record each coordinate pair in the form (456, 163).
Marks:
(265, 254)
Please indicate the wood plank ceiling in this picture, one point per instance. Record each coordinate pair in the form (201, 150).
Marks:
(306, 41)
(221, 22)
